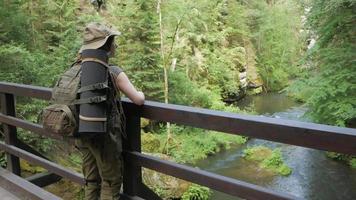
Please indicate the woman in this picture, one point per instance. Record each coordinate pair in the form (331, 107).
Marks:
(102, 160)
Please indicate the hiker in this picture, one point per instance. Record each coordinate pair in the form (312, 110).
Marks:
(102, 160)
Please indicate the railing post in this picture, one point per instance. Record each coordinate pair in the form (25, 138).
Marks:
(132, 178)
(10, 132)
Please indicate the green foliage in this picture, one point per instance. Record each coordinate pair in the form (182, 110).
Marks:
(187, 144)
(14, 23)
(35, 48)
(275, 161)
(196, 192)
(268, 159)
(3, 162)
(276, 36)
(353, 163)
(139, 45)
(348, 159)
(332, 83)
(16, 55)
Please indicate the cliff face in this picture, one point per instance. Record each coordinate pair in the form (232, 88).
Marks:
(253, 78)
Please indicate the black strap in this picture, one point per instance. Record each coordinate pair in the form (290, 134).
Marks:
(96, 86)
(96, 99)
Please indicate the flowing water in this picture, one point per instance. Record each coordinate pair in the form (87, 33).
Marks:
(314, 175)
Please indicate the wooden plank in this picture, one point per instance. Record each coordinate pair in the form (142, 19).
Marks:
(132, 177)
(217, 182)
(304, 134)
(50, 166)
(22, 188)
(43, 179)
(26, 90)
(10, 132)
(29, 149)
(6, 195)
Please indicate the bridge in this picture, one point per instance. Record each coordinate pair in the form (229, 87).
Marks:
(13, 186)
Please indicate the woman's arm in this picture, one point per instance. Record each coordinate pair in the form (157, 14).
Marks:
(124, 84)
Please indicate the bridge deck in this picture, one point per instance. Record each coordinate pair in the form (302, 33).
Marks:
(15, 187)
(6, 195)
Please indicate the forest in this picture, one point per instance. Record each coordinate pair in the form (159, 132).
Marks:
(204, 53)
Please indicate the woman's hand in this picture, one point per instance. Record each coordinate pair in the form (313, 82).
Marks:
(124, 84)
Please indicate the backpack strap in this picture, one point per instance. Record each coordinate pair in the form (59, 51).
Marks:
(96, 99)
(96, 86)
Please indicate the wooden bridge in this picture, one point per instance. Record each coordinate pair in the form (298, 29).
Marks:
(13, 186)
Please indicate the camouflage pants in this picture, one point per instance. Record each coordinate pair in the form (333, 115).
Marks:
(102, 168)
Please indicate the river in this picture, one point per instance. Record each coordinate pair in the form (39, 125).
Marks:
(314, 175)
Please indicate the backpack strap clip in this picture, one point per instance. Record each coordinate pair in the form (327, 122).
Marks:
(96, 86)
(96, 99)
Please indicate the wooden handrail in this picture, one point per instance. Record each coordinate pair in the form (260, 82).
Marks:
(311, 135)
(304, 134)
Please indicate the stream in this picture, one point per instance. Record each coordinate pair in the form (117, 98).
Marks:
(314, 176)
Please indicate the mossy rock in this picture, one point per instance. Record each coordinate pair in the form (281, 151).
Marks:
(353, 163)
(268, 159)
(165, 186)
(257, 153)
(150, 143)
(26, 166)
(255, 91)
(144, 122)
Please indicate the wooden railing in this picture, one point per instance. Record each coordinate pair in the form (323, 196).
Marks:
(304, 134)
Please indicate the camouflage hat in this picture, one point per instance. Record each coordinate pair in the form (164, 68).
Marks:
(96, 34)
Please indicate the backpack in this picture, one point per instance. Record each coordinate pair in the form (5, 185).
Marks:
(61, 117)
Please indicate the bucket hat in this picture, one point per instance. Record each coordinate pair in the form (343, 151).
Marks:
(96, 34)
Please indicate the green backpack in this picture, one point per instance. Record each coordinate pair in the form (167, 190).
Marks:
(61, 116)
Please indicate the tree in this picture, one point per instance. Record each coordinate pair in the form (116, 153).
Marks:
(140, 45)
(333, 100)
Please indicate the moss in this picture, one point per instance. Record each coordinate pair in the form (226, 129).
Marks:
(150, 143)
(196, 192)
(268, 159)
(353, 163)
(255, 91)
(348, 159)
(66, 189)
(28, 167)
(257, 153)
(284, 170)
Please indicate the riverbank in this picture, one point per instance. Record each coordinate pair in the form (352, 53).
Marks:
(185, 145)
(314, 176)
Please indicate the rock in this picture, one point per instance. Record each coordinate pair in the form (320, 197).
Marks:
(167, 187)
(150, 143)
(254, 91)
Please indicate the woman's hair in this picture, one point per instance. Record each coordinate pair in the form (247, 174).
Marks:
(108, 43)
